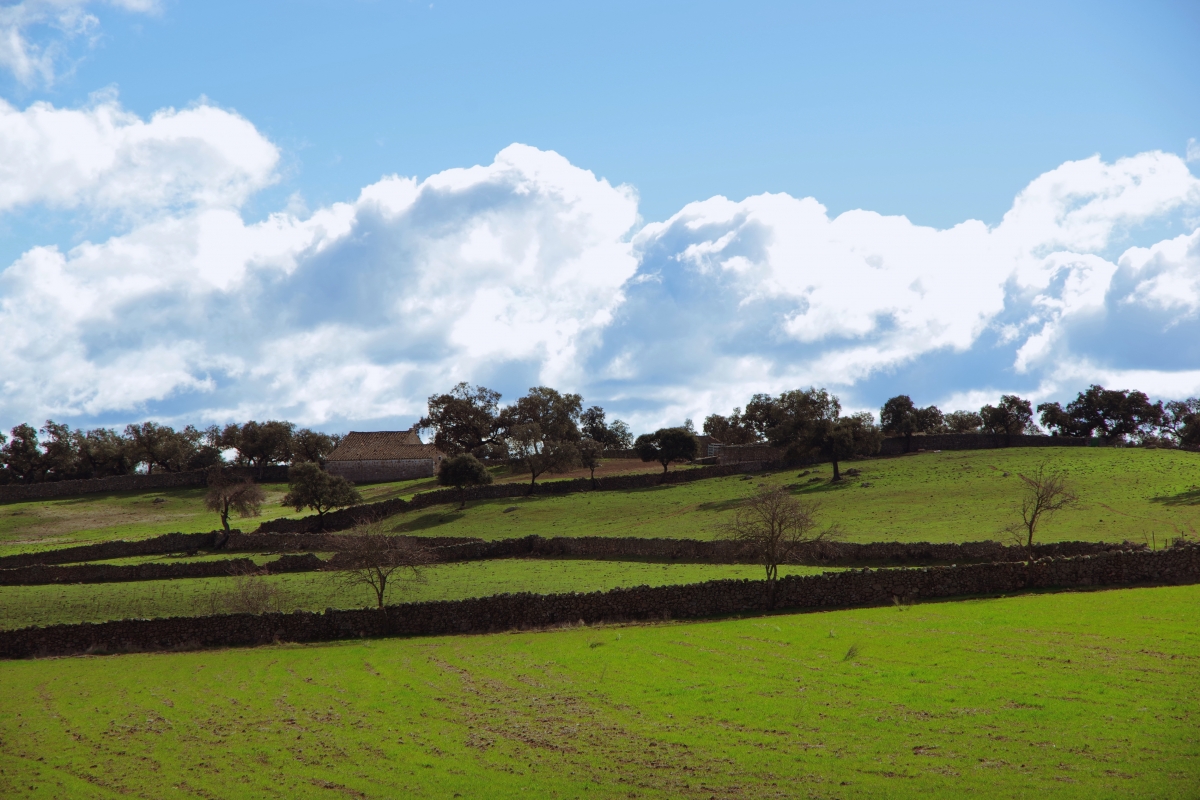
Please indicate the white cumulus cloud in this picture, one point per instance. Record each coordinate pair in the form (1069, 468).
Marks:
(533, 270)
(36, 59)
(359, 310)
(108, 160)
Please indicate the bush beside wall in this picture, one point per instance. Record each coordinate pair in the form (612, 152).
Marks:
(1180, 565)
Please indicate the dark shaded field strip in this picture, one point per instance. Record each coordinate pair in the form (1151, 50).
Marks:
(451, 549)
(1179, 565)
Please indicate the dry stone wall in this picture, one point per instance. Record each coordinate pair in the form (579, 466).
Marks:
(111, 573)
(102, 551)
(453, 549)
(350, 517)
(14, 493)
(1179, 565)
(43, 574)
(976, 441)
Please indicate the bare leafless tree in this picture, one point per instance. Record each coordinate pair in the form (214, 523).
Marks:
(245, 497)
(775, 525)
(369, 555)
(1046, 492)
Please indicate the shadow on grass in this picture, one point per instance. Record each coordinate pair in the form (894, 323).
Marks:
(1189, 498)
(722, 505)
(427, 521)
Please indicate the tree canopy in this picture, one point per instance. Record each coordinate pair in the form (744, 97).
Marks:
(731, 430)
(610, 436)
(667, 445)
(1113, 414)
(901, 417)
(464, 420)
(313, 488)
(1010, 417)
(463, 470)
(541, 431)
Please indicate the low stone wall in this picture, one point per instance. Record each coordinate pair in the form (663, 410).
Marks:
(450, 549)
(42, 574)
(102, 551)
(726, 552)
(865, 587)
(15, 493)
(111, 573)
(976, 441)
(356, 515)
(742, 453)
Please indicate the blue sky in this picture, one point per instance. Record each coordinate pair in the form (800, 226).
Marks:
(187, 232)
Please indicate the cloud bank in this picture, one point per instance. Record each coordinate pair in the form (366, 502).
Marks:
(533, 270)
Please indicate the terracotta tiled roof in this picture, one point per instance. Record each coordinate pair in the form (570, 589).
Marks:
(381, 446)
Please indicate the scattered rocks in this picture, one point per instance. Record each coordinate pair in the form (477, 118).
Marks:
(510, 509)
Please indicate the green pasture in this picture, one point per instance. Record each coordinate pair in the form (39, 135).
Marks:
(21, 606)
(1137, 494)
(89, 518)
(1070, 695)
(938, 497)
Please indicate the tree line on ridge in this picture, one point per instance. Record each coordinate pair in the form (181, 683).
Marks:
(550, 431)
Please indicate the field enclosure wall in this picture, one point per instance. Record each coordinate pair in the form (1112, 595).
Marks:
(894, 446)
(350, 517)
(1180, 565)
(35, 568)
(15, 493)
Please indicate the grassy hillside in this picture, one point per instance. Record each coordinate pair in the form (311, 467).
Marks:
(1058, 695)
(937, 497)
(138, 515)
(314, 591)
(950, 496)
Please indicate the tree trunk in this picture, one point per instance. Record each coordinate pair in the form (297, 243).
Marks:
(837, 476)
(225, 517)
(382, 588)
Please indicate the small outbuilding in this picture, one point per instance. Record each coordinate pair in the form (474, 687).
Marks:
(366, 456)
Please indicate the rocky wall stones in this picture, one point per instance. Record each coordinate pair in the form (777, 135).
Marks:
(1178, 565)
(894, 446)
(15, 493)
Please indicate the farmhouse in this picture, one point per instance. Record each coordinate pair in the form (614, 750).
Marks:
(383, 456)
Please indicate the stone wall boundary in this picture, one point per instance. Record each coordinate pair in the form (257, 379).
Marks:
(855, 588)
(43, 574)
(356, 515)
(454, 549)
(20, 492)
(895, 446)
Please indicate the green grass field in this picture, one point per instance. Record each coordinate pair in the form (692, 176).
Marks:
(1070, 695)
(314, 591)
(951, 496)
(936, 497)
(90, 518)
